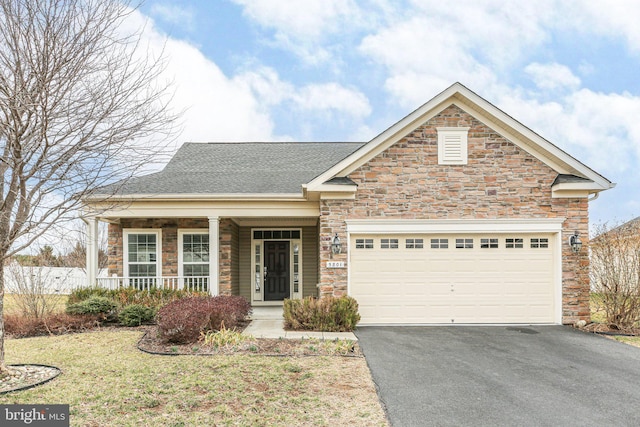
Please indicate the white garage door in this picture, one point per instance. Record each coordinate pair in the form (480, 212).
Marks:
(472, 278)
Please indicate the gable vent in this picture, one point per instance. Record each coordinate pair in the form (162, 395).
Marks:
(452, 146)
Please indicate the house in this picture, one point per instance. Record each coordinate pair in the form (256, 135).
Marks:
(455, 214)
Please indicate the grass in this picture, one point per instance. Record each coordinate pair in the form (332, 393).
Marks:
(106, 380)
(634, 341)
(598, 316)
(597, 313)
(57, 302)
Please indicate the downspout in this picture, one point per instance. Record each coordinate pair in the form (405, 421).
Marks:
(595, 196)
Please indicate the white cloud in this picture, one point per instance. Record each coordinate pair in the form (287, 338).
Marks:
(417, 49)
(174, 14)
(309, 107)
(321, 97)
(422, 60)
(240, 107)
(310, 20)
(215, 107)
(333, 97)
(552, 76)
(485, 44)
(304, 28)
(266, 84)
(616, 18)
(599, 129)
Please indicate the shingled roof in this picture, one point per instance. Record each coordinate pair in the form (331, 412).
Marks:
(241, 168)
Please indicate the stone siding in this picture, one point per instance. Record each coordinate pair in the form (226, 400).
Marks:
(169, 227)
(500, 181)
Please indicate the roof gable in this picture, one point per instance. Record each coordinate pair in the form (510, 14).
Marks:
(499, 121)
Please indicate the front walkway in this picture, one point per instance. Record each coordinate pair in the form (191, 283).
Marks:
(267, 322)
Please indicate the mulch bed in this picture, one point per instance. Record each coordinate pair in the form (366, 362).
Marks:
(151, 343)
(22, 377)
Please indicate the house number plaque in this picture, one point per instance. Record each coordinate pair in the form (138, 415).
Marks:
(335, 264)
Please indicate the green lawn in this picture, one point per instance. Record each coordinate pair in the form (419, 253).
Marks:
(107, 381)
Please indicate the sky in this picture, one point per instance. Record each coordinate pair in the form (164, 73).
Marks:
(345, 70)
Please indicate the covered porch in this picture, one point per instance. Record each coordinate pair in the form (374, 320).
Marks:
(239, 251)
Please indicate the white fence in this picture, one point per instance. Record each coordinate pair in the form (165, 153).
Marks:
(63, 280)
(45, 280)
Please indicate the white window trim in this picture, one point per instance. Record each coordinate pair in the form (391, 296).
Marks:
(181, 233)
(125, 243)
(444, 133)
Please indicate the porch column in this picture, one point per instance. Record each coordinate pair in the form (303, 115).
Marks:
(92, 249)
(214, 254)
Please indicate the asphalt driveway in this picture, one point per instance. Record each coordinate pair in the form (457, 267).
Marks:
(502, 376)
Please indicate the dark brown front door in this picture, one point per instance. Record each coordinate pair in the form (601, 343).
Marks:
(276, 260)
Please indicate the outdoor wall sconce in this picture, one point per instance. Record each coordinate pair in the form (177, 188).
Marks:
(336, 248)
(575, 243)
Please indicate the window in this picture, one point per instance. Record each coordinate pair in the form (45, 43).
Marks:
(142, 254)
(414, 243)
(539, 243)
(194, 258)
(142, 257)
(439, 243)
(452, 145)
(488, 243)
(276, 234)
(296, 268)
(514, 243)
(389, 243)
(464, 243)
(364, 243)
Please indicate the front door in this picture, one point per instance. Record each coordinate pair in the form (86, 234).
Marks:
(276, 262)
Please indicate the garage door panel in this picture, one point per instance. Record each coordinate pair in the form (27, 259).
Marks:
(438, 285)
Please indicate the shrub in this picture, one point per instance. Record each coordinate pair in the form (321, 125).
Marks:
(615, 273)
(228, 311)
(19, 326)
(329, 314)
(182, 321)
(33, 291)
(94, 305)
(82, 294)
(135, 315)
(154, 297)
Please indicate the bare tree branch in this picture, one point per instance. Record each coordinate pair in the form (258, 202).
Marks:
(76, 98)
(615, 273)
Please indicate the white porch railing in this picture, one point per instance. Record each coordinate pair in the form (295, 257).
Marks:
(188, 283)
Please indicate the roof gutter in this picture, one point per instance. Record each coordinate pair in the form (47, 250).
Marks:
(196, 196)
